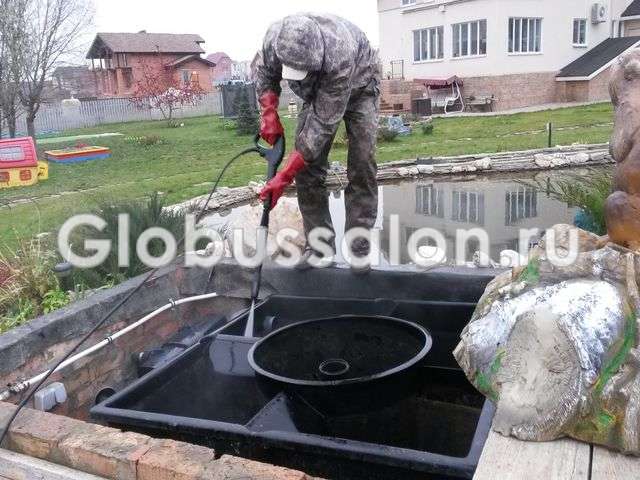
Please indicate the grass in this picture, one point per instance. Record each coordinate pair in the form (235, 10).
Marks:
(186, 160)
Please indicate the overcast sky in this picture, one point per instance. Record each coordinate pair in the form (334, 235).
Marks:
(235, 27)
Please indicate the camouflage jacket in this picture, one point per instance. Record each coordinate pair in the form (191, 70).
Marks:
(341, 63)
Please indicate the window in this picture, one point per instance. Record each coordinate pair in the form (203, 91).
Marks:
(468, 207)
(525, 35)
(429, 201)
(408, 2)
(520, 204)
(121, 60)
(470, 39)
(11, 154)
(127, 75)
(428, 44)
(186, 76)
(580, 32)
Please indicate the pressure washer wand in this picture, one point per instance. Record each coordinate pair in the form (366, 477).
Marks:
(274, 158)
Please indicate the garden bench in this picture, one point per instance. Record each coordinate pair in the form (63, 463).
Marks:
(480, 102)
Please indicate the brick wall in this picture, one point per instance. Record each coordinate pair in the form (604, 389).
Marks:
(574, 91)
(514, 91)
(31, 349)
(599, 87)
(110, 453)
(510, 91)
(594, 90)
(399, 93)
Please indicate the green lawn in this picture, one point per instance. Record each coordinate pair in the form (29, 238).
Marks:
(192, 156)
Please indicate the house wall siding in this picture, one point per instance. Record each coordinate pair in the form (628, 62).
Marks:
(397, 25)
(632, 28)
(516, 81)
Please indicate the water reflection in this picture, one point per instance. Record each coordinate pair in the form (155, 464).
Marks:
(500, 204)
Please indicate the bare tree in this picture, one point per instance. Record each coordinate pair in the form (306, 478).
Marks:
(54, 29)
(12, 43)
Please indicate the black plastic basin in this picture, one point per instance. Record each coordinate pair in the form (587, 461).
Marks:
(343, 364)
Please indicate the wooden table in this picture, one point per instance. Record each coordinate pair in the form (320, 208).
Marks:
(510, 459)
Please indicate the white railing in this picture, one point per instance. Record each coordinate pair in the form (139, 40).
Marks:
(55, 117)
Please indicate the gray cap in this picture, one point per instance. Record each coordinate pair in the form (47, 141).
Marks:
(300, 44)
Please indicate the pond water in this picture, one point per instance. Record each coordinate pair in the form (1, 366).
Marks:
(501, 204)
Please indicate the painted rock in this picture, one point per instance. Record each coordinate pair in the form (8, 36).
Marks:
(555, 347)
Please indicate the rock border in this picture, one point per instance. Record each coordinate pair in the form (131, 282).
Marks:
(484, 164)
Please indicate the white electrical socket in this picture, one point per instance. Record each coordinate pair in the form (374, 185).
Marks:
(50, 396)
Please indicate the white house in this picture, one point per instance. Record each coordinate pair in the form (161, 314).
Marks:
(520, 52)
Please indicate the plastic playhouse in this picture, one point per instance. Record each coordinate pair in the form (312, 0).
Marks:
(77, 154)
(19, 165)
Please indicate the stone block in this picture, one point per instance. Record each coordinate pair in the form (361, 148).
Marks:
(108, 453)
(170, 460)
(229, 467)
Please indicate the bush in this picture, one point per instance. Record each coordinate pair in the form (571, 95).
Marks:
(247, 122)
(143, 214)
(27, 279)
(427, 128)
(589, 192)
(149, 140)
(18, 314)
(385, 134)
(54, 300)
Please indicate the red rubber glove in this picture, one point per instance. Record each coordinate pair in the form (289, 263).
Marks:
(270, 126)
(275, 187)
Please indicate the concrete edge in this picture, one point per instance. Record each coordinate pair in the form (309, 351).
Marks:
(15, 465)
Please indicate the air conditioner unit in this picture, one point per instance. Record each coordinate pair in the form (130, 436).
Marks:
(598, 13)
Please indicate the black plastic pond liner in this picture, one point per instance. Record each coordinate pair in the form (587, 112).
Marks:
(210, 395)
(344, 364)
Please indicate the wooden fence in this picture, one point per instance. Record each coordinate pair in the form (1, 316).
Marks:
(58, 117)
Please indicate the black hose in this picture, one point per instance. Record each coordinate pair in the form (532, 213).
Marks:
(128, 297)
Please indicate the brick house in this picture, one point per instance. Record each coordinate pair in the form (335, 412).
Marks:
(223, 70)
(74, 81)
(512, 53)
(227, 69)
(118, 59)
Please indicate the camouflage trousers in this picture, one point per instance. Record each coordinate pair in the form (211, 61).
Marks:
(361, 193)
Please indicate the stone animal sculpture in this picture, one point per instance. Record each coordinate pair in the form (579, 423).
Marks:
(556, 347)
(622, 209)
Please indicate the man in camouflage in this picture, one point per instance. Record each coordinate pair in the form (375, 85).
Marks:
(330, 64)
